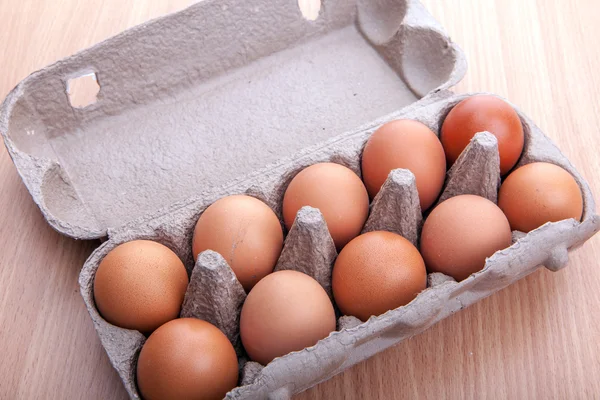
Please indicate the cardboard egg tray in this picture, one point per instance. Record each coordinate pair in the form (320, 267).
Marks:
(231, 97)
(216, 296)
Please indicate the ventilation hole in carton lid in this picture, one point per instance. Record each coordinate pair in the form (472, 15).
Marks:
(310, 9)
(83, 90)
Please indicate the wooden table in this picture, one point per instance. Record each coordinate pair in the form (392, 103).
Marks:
(540, 338)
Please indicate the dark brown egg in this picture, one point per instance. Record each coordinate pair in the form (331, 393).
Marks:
(461, 233)
(187, 359)
(484, 113)
(140, 285)
(377, 272)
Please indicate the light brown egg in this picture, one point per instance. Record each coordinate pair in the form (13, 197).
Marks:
(286, 311)
(140, 285)
(377, 272)
(484, 113)
(337, 192)
(187, 359)
(537, 193)
(246, 232)
(461, 233)
(410, 145)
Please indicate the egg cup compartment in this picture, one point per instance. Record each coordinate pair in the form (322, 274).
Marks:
(476, 171)
(396, 207)
(215, 295)
(309, 248)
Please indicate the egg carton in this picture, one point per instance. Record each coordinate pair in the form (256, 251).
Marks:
(216, 296)
(192, 102)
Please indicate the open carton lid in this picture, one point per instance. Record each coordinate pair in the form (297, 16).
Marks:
(212, 93)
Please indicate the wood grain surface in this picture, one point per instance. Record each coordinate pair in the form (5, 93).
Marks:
(538, 339)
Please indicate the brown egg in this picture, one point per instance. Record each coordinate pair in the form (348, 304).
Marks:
(140, 285)
(337, 192)
(538, 193)
(187, 359)
(377, 272)
(246, 232)
(461, 233)
(286, 311)
(484, 113)
(410, 145)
